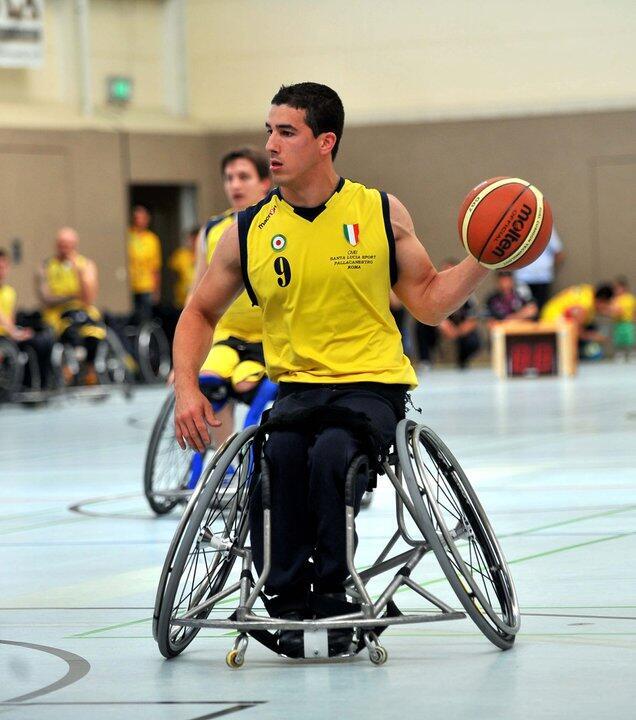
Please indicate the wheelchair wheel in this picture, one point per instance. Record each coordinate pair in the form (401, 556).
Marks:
(167, 467)
(153, 352)
(201, 555)
(450, 516)
(110, 360)
(11, 368)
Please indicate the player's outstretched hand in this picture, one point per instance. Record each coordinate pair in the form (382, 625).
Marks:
(193, 416)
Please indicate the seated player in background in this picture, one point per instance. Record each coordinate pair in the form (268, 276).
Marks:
(624, 307)
(236, 358)
(40, 342)
(510, 301)
(580, 304)
(182, 263)
(67, 287)
(460, 327)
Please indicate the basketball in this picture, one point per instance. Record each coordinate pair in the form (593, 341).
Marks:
(505, 223)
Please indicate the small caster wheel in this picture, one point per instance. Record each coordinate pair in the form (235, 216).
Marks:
(234, 659)
(378, 655)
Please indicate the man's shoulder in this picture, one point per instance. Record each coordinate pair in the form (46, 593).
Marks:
(267, 207)
(225, 217)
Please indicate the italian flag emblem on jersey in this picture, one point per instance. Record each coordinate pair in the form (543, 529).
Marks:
(351, 233)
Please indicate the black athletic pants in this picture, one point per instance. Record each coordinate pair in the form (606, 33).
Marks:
(307, 488)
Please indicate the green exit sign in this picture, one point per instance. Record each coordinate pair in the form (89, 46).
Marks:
(119, 89)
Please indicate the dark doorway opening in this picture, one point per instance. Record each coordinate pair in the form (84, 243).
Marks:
(174, 212)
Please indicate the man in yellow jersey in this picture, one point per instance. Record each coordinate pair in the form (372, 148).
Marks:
(580, 304)
(319, 256)
(67, 286)
(144, 264)
(624, 310)
(236, 357)
(41, 341)
(182, 263)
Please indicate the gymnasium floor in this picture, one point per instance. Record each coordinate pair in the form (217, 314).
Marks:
(553, 461)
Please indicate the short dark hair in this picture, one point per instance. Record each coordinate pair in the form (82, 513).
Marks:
(323, 108)
(504, 273)
(604, 292)
(256, 157)
(4, 253)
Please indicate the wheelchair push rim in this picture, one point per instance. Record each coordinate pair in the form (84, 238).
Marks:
(477, 571)
(202, 565)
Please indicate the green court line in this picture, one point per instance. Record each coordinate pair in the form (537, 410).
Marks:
(38, 526)
(582, 518)
(109, 627)
(442, 579)
(35, 513)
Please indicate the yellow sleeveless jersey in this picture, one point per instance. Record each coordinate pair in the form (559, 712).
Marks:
(63, 280)
(7, 304)
(144, 260)
(241, 319)
(322, 277)
(558, 307)
(182, 262)
(626, 307)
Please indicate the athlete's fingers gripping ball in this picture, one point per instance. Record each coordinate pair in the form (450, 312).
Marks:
(505, 223)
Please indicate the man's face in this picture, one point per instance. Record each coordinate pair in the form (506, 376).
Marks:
(141, 219)
(292, 147)
(5, 265)
(242, 184)
(603, 307)
(506, 284)
(66, 244)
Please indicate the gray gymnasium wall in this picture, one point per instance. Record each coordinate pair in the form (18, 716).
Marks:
(585, 164)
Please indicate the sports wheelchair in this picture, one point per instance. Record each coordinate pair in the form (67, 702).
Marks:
(145, 344)
(437, 512)
(170, 473)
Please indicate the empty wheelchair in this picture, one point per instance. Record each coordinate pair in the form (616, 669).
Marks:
(170, 473)
(208, 579)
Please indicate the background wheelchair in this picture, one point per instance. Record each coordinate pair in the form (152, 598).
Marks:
(146, 344)
(437, 513)
(170, 473)
(12, 362)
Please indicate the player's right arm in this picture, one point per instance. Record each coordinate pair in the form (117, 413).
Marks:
(215, 292)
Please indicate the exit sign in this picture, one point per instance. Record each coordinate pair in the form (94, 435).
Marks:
(119, 89)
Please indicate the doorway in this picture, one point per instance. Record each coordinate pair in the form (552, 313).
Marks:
(173, 210)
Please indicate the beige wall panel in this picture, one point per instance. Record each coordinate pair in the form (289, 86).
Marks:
(34, 200)
(411, 60)
(127, 39)
(100, 211)
(613, 242)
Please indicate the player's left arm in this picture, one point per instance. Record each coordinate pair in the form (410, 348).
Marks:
(429, 295)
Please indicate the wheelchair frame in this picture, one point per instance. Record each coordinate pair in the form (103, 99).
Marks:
(419, 492)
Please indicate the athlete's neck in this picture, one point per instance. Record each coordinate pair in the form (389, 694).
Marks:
(311, 191)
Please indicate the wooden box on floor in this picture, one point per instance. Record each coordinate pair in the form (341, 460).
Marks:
(521, 348)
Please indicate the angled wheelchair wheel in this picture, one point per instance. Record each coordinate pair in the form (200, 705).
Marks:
(206, 544)
(450, 516)
(11, 368)
(168, 468)
(110, 360)
(153, 352)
